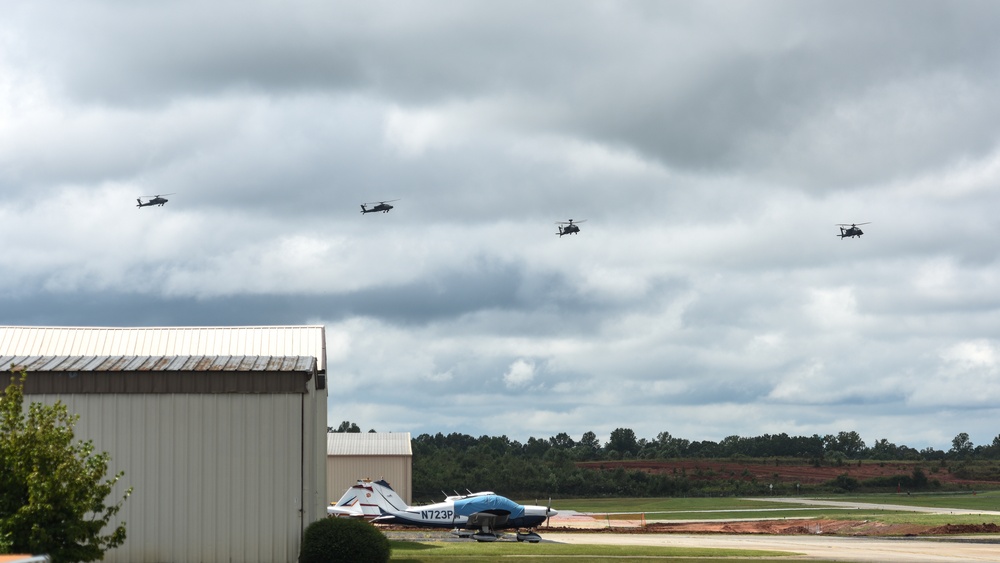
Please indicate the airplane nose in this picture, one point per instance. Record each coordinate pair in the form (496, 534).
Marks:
(540, 511)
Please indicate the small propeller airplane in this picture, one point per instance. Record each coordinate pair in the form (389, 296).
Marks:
(570, 228)
(382, 206)
(475, 515)
(852, 230)
(153, 200)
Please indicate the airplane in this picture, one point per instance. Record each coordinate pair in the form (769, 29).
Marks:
(475, 515)
(852, 230)
(382, 206)
(153, 200)
(356, 502)
(570, 227)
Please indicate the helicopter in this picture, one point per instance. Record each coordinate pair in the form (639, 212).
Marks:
(852, 230)
(570, 228)
(153, 200)
(382, 206)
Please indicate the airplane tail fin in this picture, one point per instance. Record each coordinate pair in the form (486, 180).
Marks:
(386, 498)
(358, 501)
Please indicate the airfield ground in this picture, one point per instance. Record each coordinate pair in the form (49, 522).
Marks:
(820, 539)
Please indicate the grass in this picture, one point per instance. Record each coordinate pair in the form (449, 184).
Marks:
(438, 552)
(634, 505)
(967, 500)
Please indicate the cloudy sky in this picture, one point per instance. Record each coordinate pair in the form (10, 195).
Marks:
(710, 146)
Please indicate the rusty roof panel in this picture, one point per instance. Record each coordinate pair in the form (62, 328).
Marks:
(161, 363)
(267, 341)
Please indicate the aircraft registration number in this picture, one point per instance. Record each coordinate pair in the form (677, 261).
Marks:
(437, 514)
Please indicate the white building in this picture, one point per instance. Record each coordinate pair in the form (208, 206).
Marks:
(221, 431)
(369, 455)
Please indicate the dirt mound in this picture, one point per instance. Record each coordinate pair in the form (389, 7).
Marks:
(965, 529)
(784, 471)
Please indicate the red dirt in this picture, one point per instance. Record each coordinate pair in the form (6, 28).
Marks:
(803, 473)
(784, 527)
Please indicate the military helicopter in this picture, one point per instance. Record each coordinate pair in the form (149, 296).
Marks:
(153, 200)
(570, 227)
(382, 206)
(852, 230)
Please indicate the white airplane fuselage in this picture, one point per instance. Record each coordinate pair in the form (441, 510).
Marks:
(475, 511)
(444, 515)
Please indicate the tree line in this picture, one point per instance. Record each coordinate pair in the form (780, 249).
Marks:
(553, 466)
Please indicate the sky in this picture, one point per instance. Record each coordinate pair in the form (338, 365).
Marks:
(711, 148)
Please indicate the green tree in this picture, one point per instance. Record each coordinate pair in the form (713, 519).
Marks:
(961, 446)
(347, 426)
(623, 440)
(848, 443)
(52, 489)
(562, 441)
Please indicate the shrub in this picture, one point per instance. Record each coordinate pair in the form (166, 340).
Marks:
(845, 482)
(344, 540)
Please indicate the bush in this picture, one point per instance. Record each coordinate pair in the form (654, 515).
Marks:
(344, 540)
(845, 482)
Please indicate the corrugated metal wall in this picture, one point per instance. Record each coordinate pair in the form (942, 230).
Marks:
(342, 472)
(216, 477)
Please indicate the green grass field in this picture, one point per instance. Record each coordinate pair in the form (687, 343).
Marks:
(437, 552)
(989, 500)
(738, 508)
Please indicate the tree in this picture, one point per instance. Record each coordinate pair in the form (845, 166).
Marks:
(623, 440)
(848, 443)
(52, 489)
(562, 441)
(961, 446)
(347, 426)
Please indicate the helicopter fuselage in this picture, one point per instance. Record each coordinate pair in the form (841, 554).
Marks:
(155, 201)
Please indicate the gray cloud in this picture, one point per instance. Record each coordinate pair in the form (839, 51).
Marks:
(711, 148)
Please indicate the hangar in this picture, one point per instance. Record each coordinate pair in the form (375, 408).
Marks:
(372, 455)
(221, 431)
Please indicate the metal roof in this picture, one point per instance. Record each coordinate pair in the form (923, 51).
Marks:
(35, 364)
(368, 443)
(250, 341)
